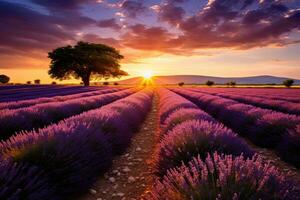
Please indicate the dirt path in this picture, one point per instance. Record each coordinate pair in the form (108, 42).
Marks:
(131, 174)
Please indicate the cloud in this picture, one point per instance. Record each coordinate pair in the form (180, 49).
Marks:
(239, 24)
(24, 29)
(97, 39)
(142, 37)
(171, 14)
(109, 23)
(132, 8)
(55, 5)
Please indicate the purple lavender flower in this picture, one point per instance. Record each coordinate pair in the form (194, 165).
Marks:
(225, 177)
(194, 137)
(19, 181)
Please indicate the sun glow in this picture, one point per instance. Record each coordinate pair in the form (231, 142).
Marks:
(147, 74)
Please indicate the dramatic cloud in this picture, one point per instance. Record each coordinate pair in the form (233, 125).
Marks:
(109, 23)
(32, 29)
(147, 38)
(132, 8)
(240, 24)
(97, 39)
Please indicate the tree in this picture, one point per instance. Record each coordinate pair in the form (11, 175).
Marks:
(288, 82)
(105, 83)
(209, 83)
(116, 83)
(85, 61)
(231, 83)
(37, 81)
(28, 82)
(53, 83)
(181, 84)
(4, 79)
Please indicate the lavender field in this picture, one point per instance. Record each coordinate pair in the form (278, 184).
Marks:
(149, 142)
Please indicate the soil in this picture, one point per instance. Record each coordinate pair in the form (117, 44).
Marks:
(131, 174)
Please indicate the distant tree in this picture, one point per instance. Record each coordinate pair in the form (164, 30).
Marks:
(4, 79)
(28, 82)
(116, 83)
(231, 83)
(85, 60)
(288, 82)
(209, 83)
(53, 83)
(37, 81)
(181, 84)
(105, 83)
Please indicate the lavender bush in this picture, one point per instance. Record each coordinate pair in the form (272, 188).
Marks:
(27, 103)
(75, 151)
(264, 127)
(181, 115)
(169, 102)
(289, 147)
(194, 137)
(24, 182)
(44, 114)
(221, 177)
(264, 102)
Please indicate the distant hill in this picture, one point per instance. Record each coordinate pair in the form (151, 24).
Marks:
(197, 79)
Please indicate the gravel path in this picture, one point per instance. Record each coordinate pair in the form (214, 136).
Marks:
(131, 174)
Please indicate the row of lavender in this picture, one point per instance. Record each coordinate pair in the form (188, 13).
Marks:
(58, 98)
(46, 91)
(264, 102)
(199, 158)
(292, 95)
(40, 115)
(264, 127)
(64, 159)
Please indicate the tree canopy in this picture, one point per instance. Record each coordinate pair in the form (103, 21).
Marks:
(4, 78)
(288, 82)
(209, 83)
(85, 61)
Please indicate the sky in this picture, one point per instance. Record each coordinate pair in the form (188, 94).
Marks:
(228, 38)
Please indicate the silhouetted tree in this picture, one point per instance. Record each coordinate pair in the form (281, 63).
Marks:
(181, 84)
(231, 83)
(85, 60)
(209, 83)
(28, 82)
(37, 81)
(116, 83)
(105, 83)
(288, 82)
(53, 83)
(4, 79)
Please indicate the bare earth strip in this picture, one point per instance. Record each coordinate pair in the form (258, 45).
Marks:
(132, 173)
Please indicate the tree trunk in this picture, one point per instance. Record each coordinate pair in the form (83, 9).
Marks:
(86, 80)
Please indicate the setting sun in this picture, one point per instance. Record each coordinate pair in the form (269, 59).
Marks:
(147, 74)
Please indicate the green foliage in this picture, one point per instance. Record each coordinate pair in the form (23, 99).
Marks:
(181, 84)
(4, 79)
(209, 83)
(85, 60)
(288, 82)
